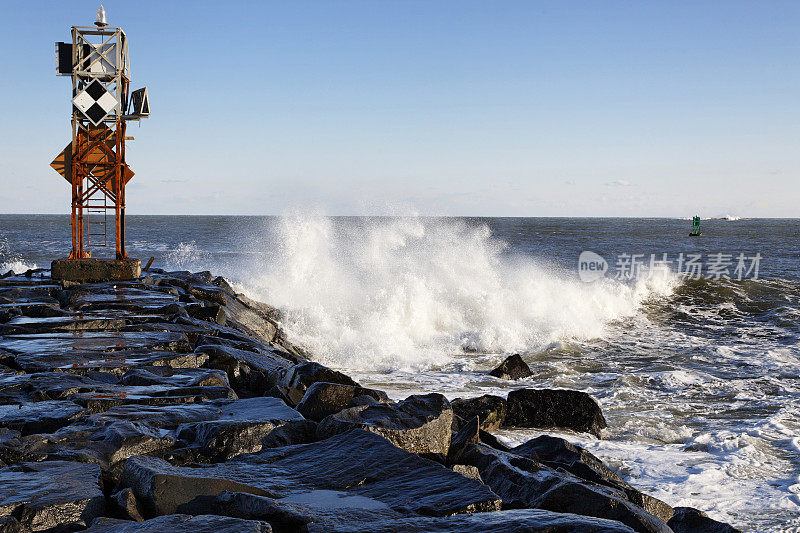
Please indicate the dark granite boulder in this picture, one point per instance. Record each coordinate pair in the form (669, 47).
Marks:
(210, 313)
(249, 373)
(512, 368)
(468, 434)
(296, 379)
(418, 424)
(490, 409)
(516, 521)
(246, 431)
(559, 453)
(43, 496)
(322, 399)
(525, 483)
(357, 463)
(690, 520)
(123, 505)
(180, 524)
(554, 408)
(247, 316)
(220, 429)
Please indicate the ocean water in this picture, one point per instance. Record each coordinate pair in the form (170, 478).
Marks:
(698, 376)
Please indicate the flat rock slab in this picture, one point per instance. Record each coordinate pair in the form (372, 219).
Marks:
(174, 377)
(115, 395)
(210, 431)
(61, 343)
(54, 493)
(146, 382)
(57, 324)
(105, 445)
(29, 292)
(91, 350)
(518, 521)
(39, 417)
(37, 310)
(180, 523)
(129, 299)
(243, 427)
(357, 463)
(294, 512)
(171, 416)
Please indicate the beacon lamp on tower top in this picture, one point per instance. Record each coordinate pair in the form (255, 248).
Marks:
(94, 161)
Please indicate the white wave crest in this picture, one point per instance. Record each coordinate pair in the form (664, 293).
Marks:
(9, 260)
(407, 293)
(18, 266)
(186, 256)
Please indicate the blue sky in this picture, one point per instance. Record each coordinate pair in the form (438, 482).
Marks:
(445, 108)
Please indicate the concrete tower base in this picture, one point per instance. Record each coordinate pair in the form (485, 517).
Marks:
(94, 270)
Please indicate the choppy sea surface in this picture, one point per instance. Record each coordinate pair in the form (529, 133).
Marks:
(697, 376)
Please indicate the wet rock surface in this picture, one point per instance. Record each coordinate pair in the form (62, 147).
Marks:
(39, 417)
(296, 380)
(357, 463)
(181, 523)
(525, 483)
(172, 403)
(490, 409)
(418, 424)
(518, 521)
(554, 408)
(690, 520)
(52, 494)
(322, 399)
(512, 368)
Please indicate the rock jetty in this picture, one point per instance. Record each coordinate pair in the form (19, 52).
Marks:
(172, 403)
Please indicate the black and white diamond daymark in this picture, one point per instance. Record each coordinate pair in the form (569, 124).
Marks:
(95, 102)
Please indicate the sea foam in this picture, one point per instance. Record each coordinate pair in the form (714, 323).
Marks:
(407, 293)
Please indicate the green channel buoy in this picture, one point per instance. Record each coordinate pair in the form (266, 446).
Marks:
(695, 227)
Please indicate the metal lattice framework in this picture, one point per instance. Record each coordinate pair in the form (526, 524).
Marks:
(94, 162)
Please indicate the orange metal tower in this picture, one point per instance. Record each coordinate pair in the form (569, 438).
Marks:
(94, 161)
